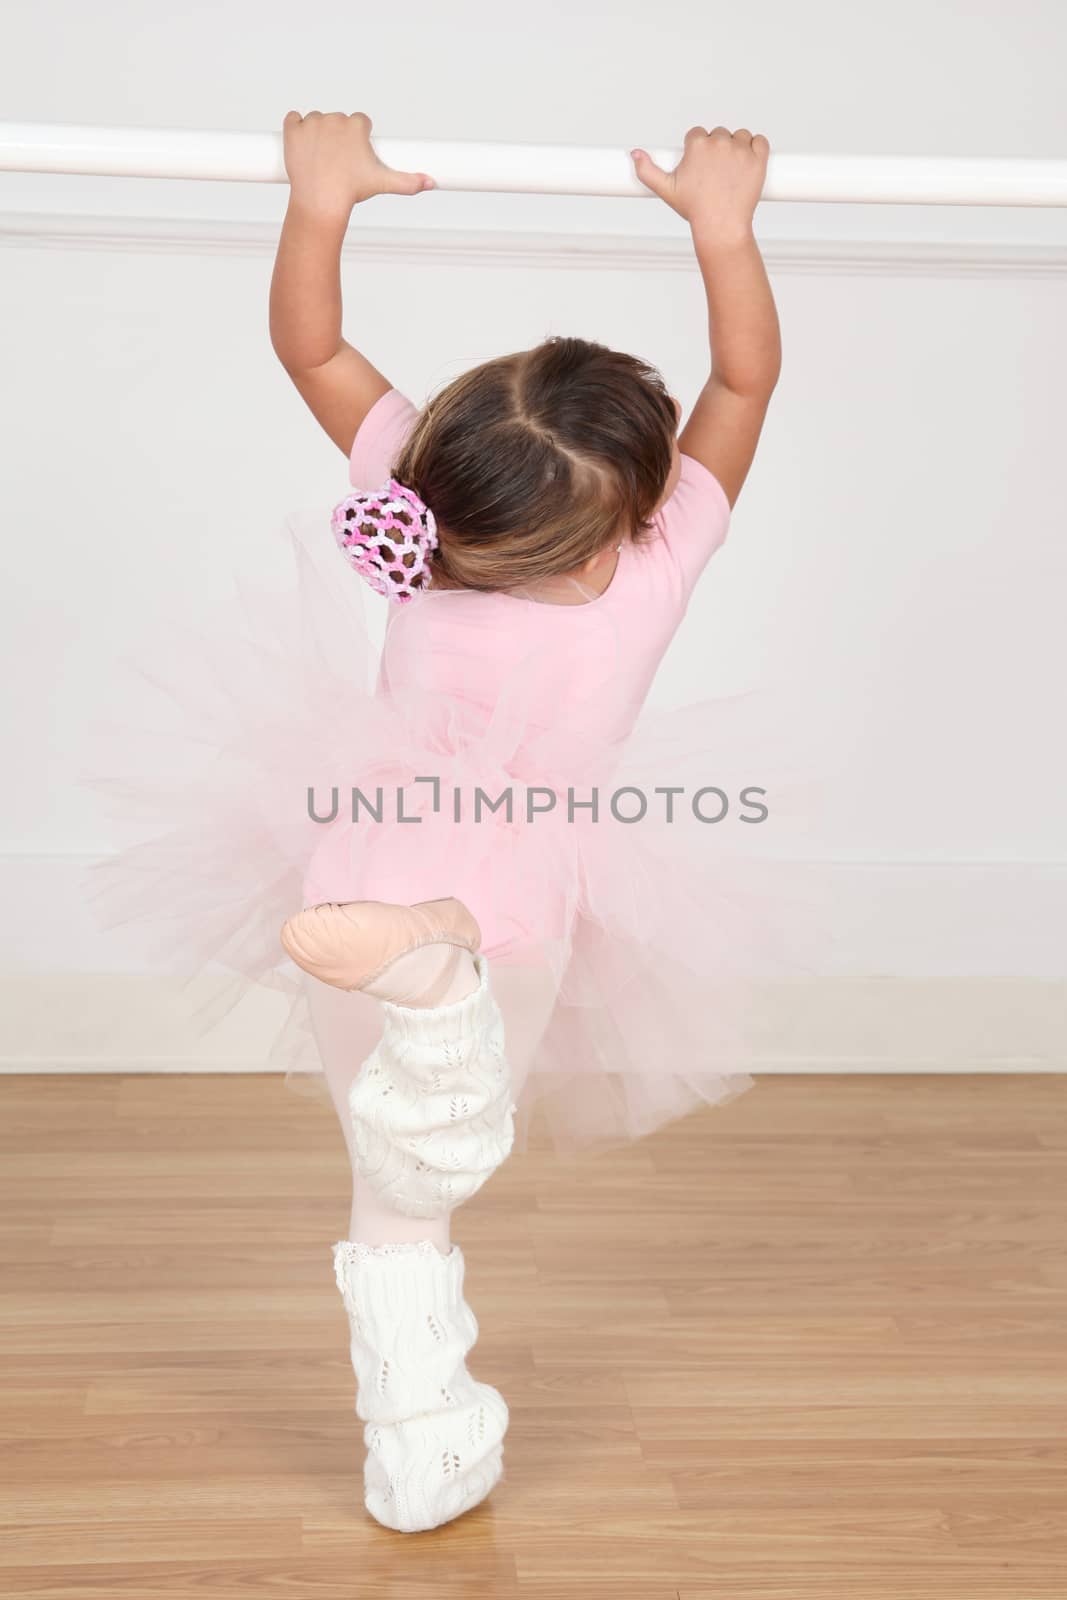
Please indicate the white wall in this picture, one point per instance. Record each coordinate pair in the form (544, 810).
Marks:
(897, 554)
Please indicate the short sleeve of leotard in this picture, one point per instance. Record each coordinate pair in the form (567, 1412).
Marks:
(693, 523)
(379, 440)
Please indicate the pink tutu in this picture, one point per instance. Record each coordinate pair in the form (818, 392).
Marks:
(630, 950)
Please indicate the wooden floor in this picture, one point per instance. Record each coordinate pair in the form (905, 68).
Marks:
(811, 1345)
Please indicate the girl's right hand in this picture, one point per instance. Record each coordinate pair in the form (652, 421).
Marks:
(332, 165)
(717, 184)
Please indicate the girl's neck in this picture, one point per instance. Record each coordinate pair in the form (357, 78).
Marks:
(582, 584)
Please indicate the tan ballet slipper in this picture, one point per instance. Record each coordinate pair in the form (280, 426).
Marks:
(349, 945)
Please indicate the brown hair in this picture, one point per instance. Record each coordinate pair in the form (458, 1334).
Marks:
(533, 462)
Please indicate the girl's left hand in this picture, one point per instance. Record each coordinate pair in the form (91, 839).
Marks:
(332, 165)
(717, 184)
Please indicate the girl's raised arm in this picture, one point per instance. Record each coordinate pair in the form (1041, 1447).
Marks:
(332, 167)
(716, 187)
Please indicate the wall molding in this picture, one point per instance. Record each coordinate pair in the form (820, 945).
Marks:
(981, 919)
(841, 255)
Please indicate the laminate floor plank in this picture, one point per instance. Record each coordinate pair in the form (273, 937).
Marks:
(809, 1345)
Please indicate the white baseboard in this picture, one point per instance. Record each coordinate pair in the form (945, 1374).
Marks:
(976, 983)
(110, 1022)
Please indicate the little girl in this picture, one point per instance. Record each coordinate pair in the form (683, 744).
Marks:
(539, 526)
(512, 895)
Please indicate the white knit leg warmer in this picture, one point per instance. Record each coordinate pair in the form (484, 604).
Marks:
(434, 1435)
(431, 1108)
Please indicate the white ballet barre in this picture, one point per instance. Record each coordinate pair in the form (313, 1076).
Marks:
(530, 168)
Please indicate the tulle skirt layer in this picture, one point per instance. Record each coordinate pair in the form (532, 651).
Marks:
(634, 924)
